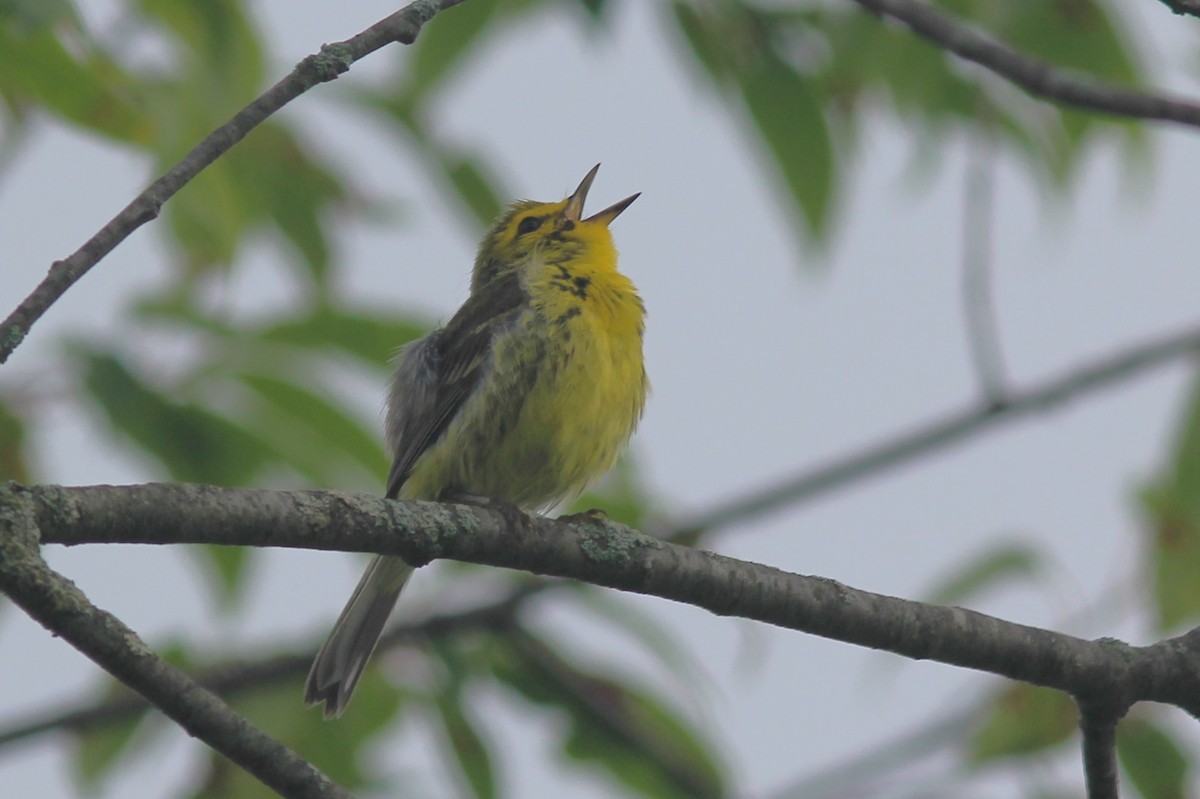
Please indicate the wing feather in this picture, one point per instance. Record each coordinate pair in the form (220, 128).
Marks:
(436, 375)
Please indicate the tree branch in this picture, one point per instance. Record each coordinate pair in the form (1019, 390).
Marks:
(1037, 77)
(1098, 725)
(233, 677)
(64, 610)
(1189, 8)
(949, 429)
(329, 63)
(609, 554)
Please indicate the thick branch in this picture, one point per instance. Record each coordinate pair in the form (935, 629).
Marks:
(1037, 77)
(64, 610)
(326, 65)
(611, 555)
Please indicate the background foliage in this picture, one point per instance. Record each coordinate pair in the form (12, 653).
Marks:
(258, 397)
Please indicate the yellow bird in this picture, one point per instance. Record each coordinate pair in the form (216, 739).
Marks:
(527, 394)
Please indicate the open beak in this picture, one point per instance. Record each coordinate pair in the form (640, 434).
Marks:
(574, 209)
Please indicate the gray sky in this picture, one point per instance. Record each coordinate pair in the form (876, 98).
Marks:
(765, 360)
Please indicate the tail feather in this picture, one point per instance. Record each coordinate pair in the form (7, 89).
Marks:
(342, 658)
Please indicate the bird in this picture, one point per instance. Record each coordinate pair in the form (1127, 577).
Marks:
(528, 393)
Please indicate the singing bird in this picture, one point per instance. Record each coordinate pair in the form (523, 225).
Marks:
(528, 393)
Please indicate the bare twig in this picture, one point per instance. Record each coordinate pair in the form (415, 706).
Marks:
(1098, 725)
(608, 554)
(330, 62)
(950, 429)
(978, 303)
(64, 610)
(1037, 77)
(232, 678)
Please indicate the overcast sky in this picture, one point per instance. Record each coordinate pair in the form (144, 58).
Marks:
(765, 360)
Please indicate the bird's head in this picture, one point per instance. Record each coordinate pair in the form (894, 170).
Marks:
(548, 230)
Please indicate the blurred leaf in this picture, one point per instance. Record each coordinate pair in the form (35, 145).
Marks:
(333, 746)
(371, 337)
(227, 569)
(1003, 563)
(462, 742)
(335, 430)
(1156, 765)
(1024, 719)
(620, 494)
(1172, 506)
(628, 733)
(291, 185)
(191, 443)
(99, 750)
(14, 459)
(443, 45)
(703, 34)
(88, 91)
(466, 175)
(791, 121)
(665, 644)
(222, 41)
(28, 16)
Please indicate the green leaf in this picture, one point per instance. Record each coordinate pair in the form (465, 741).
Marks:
(444, 44)
(1024, 719)
(227, 570)
(90, 92)
(191, 443)
(462, 741)
(1172, 542)
(466, 176)
(223, 44)
(98, 751)
(28, 16)
(628, 733)
(372, 337)
(14, 459)
(335, 431)
(101, 749)
(333, 746)
(704, 40)
(792, 124)
(1003, 563)
(1155, 763)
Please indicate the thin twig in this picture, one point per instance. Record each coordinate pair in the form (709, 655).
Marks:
(1039, 78)
(329, 63)
(950, 429)
(978, 303)
(62, 608)
(1098, 725)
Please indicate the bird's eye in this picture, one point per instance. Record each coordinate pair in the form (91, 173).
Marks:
(528, 225)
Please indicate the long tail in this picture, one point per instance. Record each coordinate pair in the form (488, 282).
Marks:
(341, 661)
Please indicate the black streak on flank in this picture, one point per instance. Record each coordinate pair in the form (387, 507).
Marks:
(568, 314)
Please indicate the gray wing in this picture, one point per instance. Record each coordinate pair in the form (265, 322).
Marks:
(411, 407)
(435, 375)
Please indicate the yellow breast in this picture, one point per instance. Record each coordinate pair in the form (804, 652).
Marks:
(594, 385)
